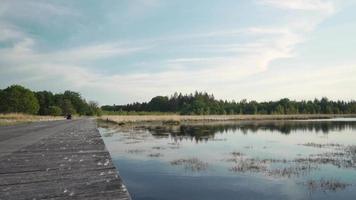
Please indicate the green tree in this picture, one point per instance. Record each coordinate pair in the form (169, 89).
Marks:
(45, 100)
(250, 108)
(16, 98)
(67, 107)
(54, 111)
(159, 103)
(279, 110)
(203, 103)
(78, 103)
(198, 107)
(94, 109)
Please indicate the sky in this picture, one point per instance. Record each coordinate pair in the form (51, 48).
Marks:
(123, 51)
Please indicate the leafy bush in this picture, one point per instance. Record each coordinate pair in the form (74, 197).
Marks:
(55, 111)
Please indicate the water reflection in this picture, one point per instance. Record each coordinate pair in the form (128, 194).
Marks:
(207, 131)
(304, 159)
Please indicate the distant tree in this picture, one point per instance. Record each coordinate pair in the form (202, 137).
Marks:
(78, 103)
(250, 108)
(159, 103)
(199, 107)
(353, 107)
(16, 98)
(45, 100)
(54, 111)
(201, 103)
(279, 110)
(67, 107)
(94, 109)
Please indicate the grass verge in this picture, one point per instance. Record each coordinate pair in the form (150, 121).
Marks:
(19, 118)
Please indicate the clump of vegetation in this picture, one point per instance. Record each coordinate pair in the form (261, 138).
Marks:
(329, 145)
(291, 171)
(155, 155)
(158, 148)
(249, 165)
(171, 122)
(351, 150)
(344, 156)
(192, 164)
(287, 169)
(237, 154)
(326, 160)
(326, 185)
(135, 151)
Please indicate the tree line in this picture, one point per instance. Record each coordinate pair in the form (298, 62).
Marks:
(19, 99)
(202, 103)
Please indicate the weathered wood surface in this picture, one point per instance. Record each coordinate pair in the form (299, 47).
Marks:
(57, 160)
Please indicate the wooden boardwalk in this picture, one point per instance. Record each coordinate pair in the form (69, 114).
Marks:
(57, 160)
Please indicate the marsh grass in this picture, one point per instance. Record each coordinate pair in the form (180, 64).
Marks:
(192, 164)
(292, 171)
(19, 118)
(249, 165)
(328, 145)
(135, 151)
(341, 156)
(155, 155)
(175, 119)
(324, 185)
(285, 169)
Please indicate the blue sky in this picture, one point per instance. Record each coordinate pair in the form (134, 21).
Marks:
(131, 50)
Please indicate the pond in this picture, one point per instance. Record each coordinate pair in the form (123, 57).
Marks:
(235, 160)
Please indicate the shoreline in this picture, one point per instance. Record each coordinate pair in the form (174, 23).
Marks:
(120, 119)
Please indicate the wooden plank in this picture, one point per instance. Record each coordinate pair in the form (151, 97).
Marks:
(66, 160)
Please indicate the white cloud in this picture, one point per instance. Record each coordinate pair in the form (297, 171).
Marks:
(34, 9)
(306, 5)
(65, 66)
(7, 32)
(94, 52)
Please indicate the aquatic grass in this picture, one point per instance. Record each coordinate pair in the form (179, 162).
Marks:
(135, 151)
(328, 145)
(134, 142)
(237, 154)
(158, 148)
(351, 150)
(192, 164)
(292, 171)
(155, 155)
(324, 185)
(342, 157)
(249, 165)
(285, 169)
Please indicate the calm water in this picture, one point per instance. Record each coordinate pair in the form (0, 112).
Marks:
(244, 160)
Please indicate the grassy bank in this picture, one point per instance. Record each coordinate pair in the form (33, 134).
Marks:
(136, 113)
(181, 118)
(19, 118)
